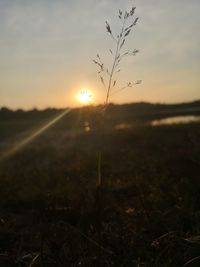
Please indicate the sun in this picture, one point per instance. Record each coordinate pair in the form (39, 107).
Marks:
(85, 97)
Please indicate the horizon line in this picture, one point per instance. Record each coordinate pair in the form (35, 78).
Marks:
(97, 105)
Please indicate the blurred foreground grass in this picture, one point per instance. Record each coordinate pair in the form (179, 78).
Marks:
(150, 204)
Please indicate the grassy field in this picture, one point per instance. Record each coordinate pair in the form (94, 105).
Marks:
(147, 212)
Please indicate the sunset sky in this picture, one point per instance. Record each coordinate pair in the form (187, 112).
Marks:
(47, 47)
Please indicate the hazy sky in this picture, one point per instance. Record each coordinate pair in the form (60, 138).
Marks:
(47, 47)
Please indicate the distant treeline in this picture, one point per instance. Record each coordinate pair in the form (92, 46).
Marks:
(130, 111)
(6, 113)
(148, 111)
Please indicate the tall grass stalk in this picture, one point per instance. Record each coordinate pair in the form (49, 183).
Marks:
(109, 80)
(109, 76)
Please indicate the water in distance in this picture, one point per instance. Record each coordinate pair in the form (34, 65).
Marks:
(176, 120)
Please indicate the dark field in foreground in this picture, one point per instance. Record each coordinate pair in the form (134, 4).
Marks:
(147, 212)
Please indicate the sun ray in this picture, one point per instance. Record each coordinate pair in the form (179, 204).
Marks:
(30, 138)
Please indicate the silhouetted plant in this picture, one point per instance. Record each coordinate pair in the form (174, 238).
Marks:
(108, 76)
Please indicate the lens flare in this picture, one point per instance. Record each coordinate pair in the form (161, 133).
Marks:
(30, 138)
